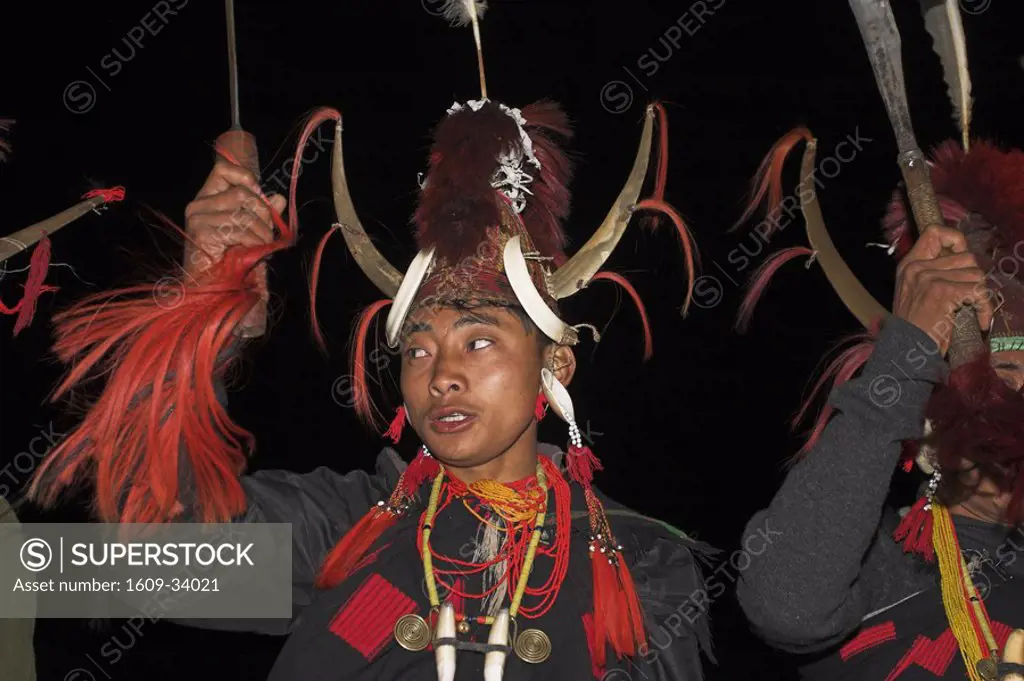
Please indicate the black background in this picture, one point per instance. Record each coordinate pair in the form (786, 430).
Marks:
(696, 436)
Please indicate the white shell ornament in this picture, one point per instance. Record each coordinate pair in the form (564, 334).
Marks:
(558, 396)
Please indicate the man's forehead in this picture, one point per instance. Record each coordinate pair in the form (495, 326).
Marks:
(427, 318)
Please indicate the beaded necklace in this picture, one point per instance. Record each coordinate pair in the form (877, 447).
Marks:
(524, 512)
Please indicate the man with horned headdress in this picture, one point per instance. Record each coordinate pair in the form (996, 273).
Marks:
(854, 589)
(558, 580)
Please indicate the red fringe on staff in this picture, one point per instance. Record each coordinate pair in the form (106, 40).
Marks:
(34, 287)
(40, 264)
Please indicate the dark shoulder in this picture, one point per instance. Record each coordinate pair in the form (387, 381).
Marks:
(645, 528)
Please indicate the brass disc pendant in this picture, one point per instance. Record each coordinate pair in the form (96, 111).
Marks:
(988, 669)
(463, 627)
(412, 632)
(533, 646)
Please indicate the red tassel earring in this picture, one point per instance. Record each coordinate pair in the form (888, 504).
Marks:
(394, 431)
(541, 408)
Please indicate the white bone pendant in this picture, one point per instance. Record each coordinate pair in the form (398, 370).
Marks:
(445, 654)
(494, 661)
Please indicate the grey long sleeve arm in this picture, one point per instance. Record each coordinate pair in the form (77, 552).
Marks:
(805, 593)
(321, 506)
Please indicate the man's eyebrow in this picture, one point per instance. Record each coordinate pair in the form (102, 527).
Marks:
(476, 318)
(417, 327)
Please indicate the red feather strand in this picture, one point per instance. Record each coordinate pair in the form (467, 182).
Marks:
(838, 372)
(768, 179)
(347, 553)
(159, 346)
(624, 283)
(361, 399)
(685, 238)
(314, 280)
(760, 280)
(661, 174)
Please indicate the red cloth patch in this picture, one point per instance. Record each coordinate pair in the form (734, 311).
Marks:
(1001, 633)
(367, 619)
(934, 656)
(869, 638)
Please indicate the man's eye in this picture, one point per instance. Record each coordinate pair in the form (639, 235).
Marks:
(475, 345)
(415, 353)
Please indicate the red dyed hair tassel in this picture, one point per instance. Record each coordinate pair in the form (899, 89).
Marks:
(356, 542)
(915, 531)
(618, 618)
(394, 431)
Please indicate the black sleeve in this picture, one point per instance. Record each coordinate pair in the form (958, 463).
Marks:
(666, 573)
(806, 592)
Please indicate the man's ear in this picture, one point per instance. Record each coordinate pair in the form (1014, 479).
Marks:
(561, 360)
